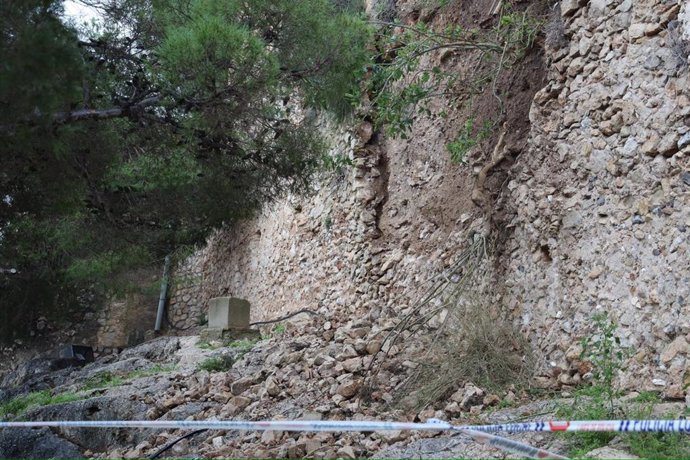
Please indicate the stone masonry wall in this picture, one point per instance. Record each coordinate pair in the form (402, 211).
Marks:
(185, 308)
(327, 251)
(600, 203)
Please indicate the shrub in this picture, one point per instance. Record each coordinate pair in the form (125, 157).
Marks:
(219, 363)
(490, 352)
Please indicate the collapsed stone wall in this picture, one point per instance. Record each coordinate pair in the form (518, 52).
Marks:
(593, 215)
(324, 252)
(371, 235)
(600, 202)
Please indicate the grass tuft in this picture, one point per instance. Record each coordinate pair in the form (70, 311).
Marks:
(19, 405)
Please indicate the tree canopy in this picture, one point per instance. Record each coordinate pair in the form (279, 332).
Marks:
(126, 141)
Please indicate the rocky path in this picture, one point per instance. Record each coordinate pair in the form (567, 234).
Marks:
(310, 371)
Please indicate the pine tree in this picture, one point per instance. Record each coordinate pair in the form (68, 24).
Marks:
(127, 141)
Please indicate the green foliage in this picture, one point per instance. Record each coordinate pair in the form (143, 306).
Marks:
(144, 134)
(243, 345)
(654, 445)
(279, 328)
(599, 401)
(647, 397)
(40, 56)
(151, 371)
(220, 363)
(150, 172)
(592, 404)
(204, 345)
(336, 163)
(20, 404)
(467, 139)
(659, 445)
(399, 87)
(519, 31)
(328, 223)
(603, 350)
(402, 82)
(103, 380)
(109, 379)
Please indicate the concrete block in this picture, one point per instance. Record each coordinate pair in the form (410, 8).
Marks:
(228, 313)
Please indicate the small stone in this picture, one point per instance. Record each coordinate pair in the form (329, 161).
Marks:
(572, 219)
(609, 452)
(674, 392)
(643, 207)
(272, 387)
(312, 446)
(240, 386)
(659, 382)
(452, 408)
(348, 389)
(365, 131)
(652, 62)
(240, 402)
(373, 347)
(270, 436)
(685, 177)
(683, 141)
(568, 7)
(637, 219)
(347, 353)
(491, 400)
(596, 272)
(352, 365)
(393, 436)
(651, 145)
(346, 452)
(471, 395)
(637, 30)
(297, 450)
(476, 410)
(678, 346)
(217, 442)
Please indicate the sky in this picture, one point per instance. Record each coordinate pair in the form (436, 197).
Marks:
(78, 12)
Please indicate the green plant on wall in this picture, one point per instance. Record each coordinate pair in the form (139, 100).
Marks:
(328, 223)
(603, 350)
(402, 82)
(336, 163)
(467, 138)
